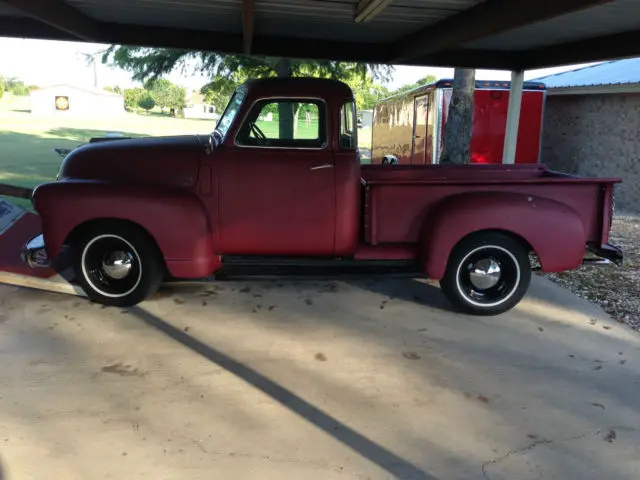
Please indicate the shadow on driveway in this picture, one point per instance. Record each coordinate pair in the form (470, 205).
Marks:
(368, 449)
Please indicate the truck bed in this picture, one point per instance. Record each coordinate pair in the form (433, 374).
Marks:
(398, 199)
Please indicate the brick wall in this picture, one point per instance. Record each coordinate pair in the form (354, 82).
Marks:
(596, 135)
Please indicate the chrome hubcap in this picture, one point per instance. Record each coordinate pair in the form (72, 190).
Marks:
(488, 276)
(117, 264)
(485, 273)
(111, 266)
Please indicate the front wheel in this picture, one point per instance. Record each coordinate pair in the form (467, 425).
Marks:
(117, 265)
(487, 274)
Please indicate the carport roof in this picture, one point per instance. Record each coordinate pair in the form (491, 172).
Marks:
(503, 34)
(616, 72)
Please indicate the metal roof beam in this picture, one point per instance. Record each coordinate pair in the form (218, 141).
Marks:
(482, 20)
(61, 16)
(262, 45)
(608, 47)
(247, 25)
(468, 58)
(367, 10)
(26, 27)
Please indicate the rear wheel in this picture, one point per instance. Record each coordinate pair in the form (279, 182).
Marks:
(487, 274)
(117, 265)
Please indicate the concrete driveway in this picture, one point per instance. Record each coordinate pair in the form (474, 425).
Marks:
(315, 380)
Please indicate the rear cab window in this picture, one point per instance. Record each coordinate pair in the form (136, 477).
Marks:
(285, 123)
(348, 123)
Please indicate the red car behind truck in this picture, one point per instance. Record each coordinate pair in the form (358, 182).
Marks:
(131, 212)
(408, 128)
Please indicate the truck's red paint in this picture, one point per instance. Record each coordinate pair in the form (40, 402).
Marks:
(201, 198)
(560, 248)
(249, 207)
(166, 161)
(410, 126)
(175, 218)
(556, 214)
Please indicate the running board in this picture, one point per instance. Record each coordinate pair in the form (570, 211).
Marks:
(250, 266)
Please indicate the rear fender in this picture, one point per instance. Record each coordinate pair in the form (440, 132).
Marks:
(552, 229)
(176, 219)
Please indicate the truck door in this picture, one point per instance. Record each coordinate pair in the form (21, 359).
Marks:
(276, 193)
(419, 146)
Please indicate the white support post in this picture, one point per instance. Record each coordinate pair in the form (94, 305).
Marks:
(513, 117)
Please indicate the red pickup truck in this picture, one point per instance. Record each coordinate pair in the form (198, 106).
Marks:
(279, 184)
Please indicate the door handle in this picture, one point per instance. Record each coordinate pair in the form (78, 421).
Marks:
(322, 167)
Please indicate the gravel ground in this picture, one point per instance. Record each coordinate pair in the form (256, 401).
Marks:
(615, 290)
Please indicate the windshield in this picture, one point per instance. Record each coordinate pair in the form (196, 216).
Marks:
(233, 107)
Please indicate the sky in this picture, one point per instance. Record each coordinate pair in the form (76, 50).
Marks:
(47, 62)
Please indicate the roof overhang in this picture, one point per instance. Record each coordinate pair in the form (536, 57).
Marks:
(501, 34)
(596, 89)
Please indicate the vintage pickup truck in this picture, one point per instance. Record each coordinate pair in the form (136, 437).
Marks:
(279, 183)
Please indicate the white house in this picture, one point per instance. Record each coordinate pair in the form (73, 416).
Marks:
(76, 101)
(365, 118)
(198, 108)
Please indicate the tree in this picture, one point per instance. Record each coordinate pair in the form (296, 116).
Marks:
(160, 88)
(147, 102)
(16, 87)
(366, 92)
(1, 87)
(457, 130)
(115, 89)
(218, 91)
(166, 94)
(411, 86)
(177, 99)
(90, 59)
(151, 63)
(132, 97)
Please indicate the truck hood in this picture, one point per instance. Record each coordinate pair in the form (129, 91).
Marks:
(171, 161)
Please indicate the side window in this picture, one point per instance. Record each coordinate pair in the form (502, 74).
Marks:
(348, 134)
(285, 124)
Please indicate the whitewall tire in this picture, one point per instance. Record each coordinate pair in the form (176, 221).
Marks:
(487, 273)
(117, 264)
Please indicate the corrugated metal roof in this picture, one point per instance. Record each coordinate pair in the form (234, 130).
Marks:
(608, 18)
(218, 15)
(327, 29)
(617, 72)
(322, 19)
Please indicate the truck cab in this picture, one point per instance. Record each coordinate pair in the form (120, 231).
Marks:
(278, 183)
(286, 164)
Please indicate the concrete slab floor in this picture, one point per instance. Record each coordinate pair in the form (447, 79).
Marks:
(315, 380)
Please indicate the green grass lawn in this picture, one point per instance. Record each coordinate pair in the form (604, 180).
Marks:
(302, 131)
(27, 141)
(27, 157)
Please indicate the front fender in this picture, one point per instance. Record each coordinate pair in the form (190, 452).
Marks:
(554, 230)
(175, 218)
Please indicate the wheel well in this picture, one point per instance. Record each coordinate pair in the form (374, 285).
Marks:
(83, 227)
(521, 240)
